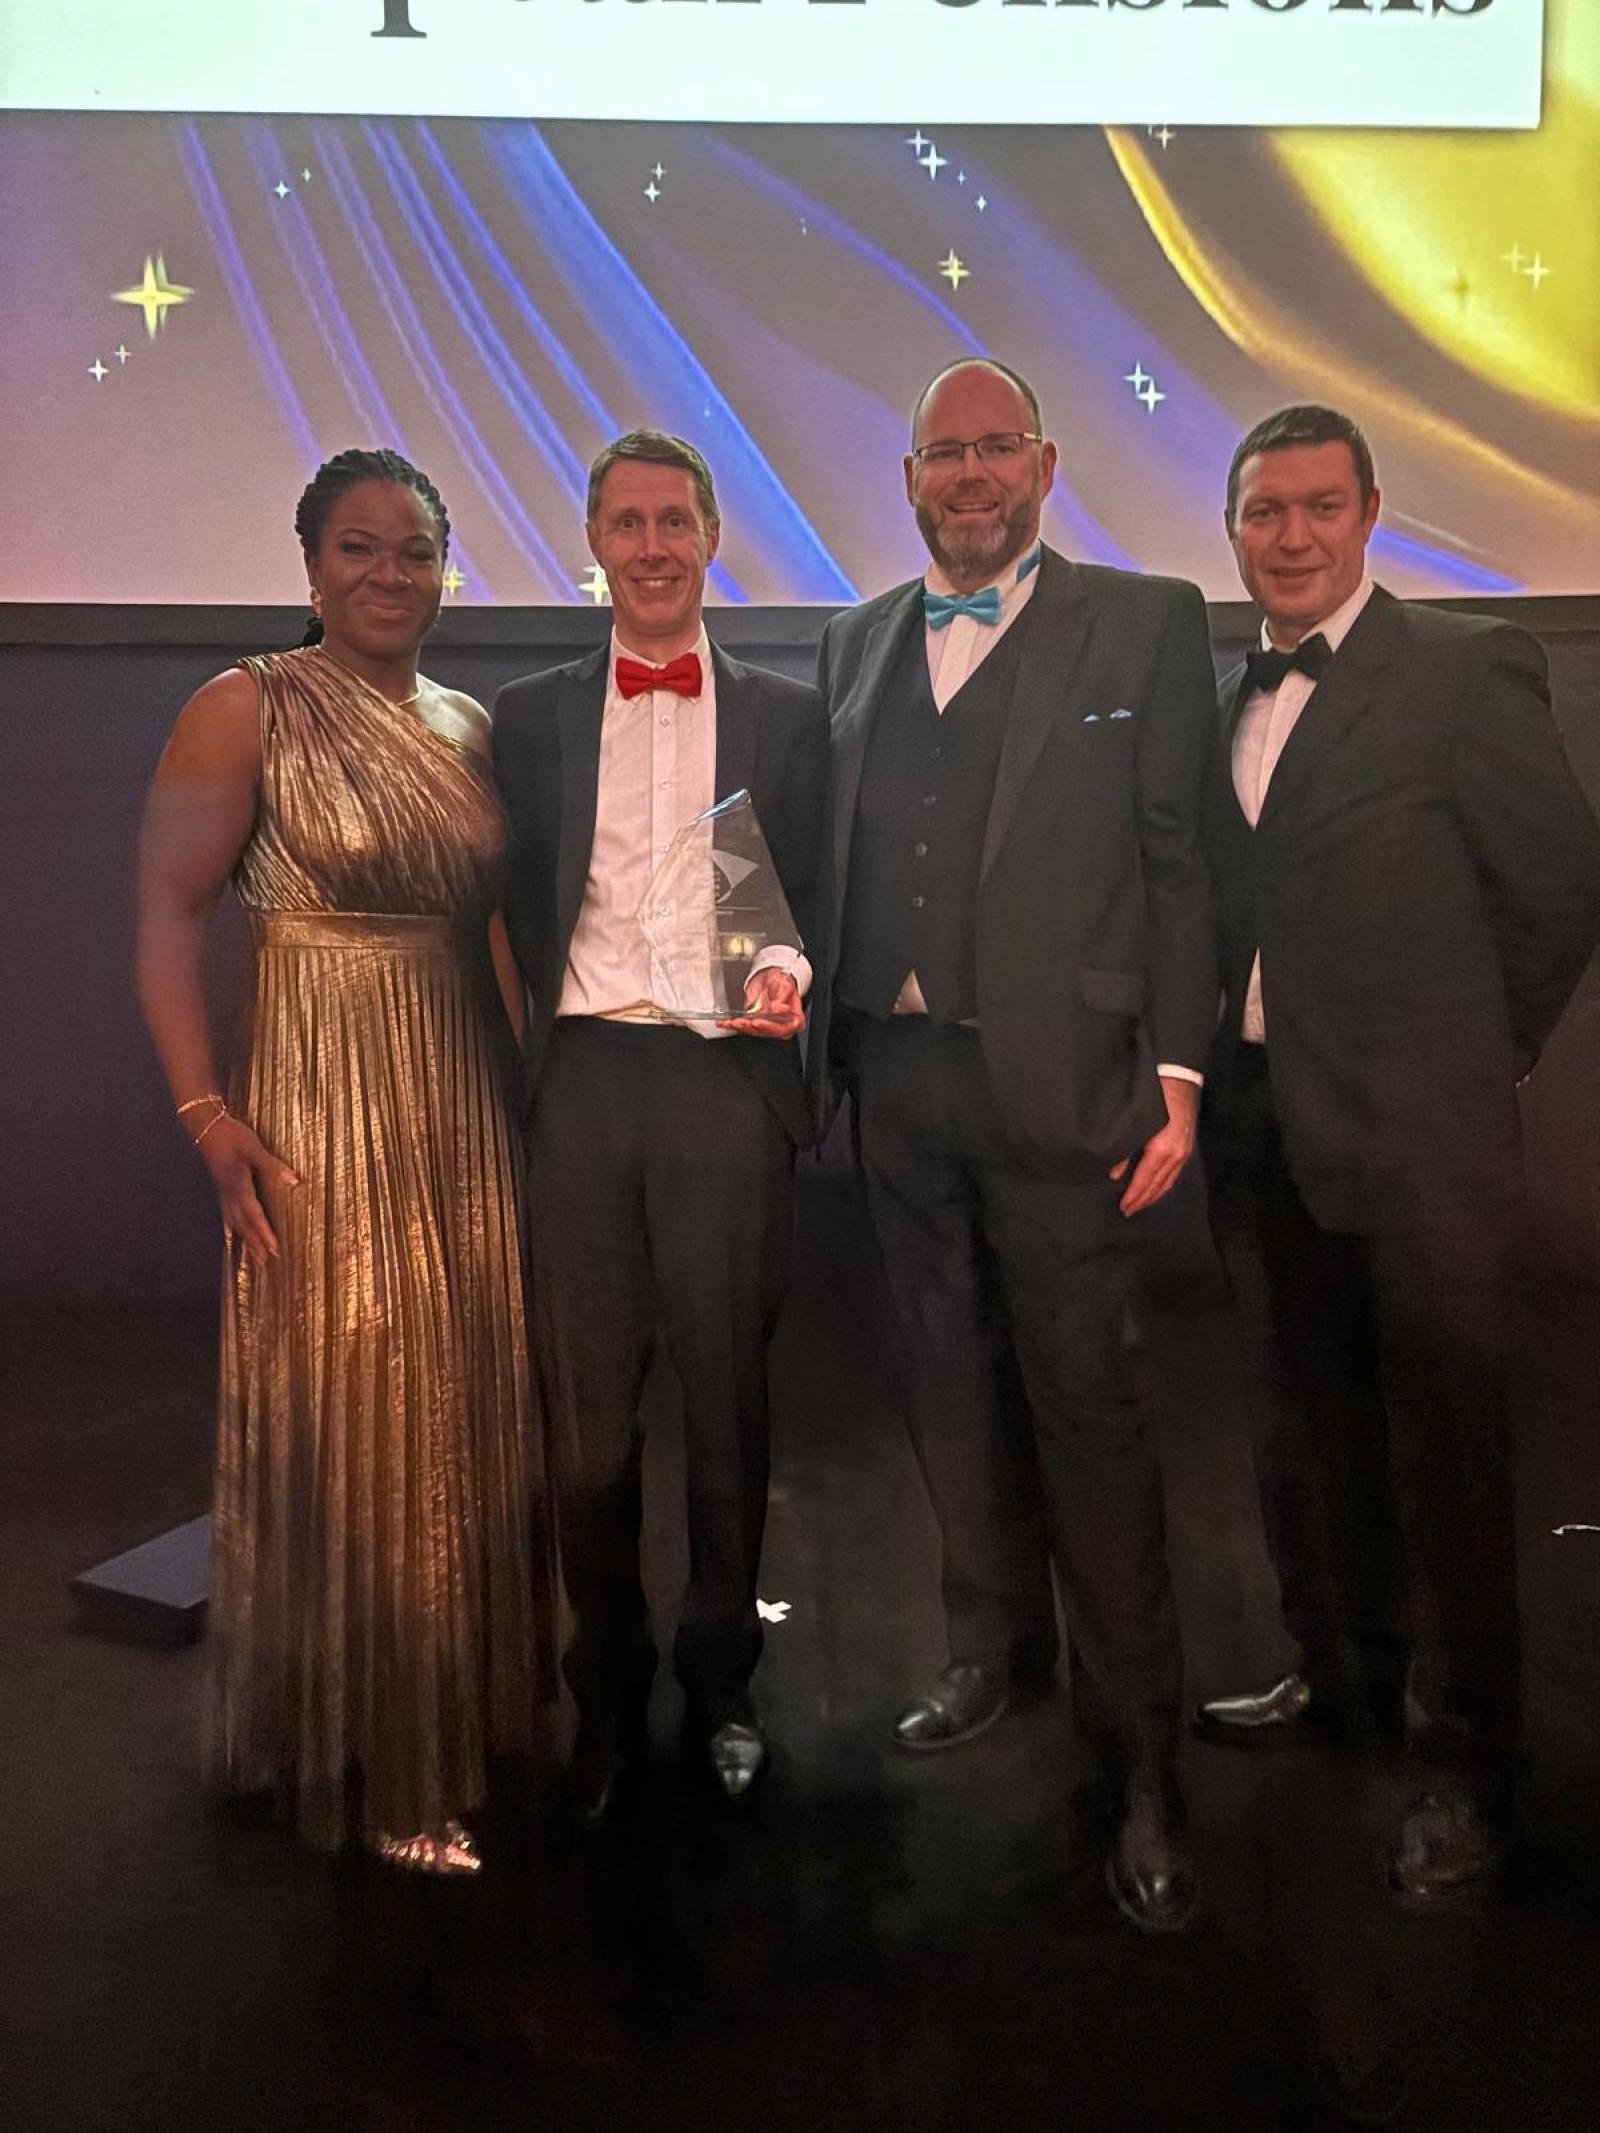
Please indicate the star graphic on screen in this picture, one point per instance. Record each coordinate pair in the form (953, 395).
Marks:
(933, 162)
(980, 203)
(1163, 134)
(97, 370)
(954, 270)
(658, 173)
(154, 294)
(1461, 287)
(652, 192)
(961, 177)
(917, 141)
(1536, 271)
(595, 586)
(281, 190)
(120, 353)
(1144, 386)
(453, 581)
(1514, 258)
(305, 177)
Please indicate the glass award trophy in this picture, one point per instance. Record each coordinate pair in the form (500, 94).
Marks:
(714, 904)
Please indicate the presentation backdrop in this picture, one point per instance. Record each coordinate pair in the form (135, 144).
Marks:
(207, 298)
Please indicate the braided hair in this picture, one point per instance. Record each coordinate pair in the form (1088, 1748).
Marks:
(346, 470)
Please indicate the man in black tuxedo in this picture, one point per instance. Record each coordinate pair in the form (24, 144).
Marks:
(662, 1153)
(1023, 993)
(1410, 889)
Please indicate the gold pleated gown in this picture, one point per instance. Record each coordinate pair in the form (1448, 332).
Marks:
(383, 1591)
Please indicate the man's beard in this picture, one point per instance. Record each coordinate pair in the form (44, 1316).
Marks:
(964, 551)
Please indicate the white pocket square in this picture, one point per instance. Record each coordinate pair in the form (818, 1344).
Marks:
(1095, 718)
(1122, 714)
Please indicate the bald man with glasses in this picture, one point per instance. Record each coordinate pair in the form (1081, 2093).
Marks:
(1023, 988)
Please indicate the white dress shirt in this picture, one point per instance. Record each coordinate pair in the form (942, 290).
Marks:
(658, 771)
(1265, 724)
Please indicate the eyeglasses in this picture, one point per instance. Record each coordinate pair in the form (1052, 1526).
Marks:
(1001, 448)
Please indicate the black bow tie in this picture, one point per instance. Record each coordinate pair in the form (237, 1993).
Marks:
(1266, 669)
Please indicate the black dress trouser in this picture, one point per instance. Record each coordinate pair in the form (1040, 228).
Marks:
(1381, 1439)
(661, 1187)
(1013, 1292)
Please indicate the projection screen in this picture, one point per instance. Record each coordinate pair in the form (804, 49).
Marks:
(494, 233)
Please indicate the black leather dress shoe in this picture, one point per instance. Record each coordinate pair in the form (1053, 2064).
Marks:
(1446, 1842)
(1150, 1871)
(1269, 1718)
(736, 1755)
(964, 1701)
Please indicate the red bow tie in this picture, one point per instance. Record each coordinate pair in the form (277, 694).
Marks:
(682, 676)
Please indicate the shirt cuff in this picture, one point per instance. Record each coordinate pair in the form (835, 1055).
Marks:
(789, 959)
(1178, 1073)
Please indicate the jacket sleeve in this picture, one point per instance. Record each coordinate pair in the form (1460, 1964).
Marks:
(797, 832)
(1174, 757)
(824, 665)
(510, 737)
(497, 734)
(1531, 832)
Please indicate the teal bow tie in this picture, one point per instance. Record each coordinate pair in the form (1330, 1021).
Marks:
(941, 609)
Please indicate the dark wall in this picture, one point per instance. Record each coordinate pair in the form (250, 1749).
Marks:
(99, 1195)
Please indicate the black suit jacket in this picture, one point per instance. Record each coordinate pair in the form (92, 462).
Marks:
(771, 741)
(1424, 888)
(1094, 927)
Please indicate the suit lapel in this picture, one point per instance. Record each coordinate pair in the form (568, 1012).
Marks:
(1233, 693)
(737, 713)
(582, 712)
(1340, 698)
(1055, 627)
(852, 722)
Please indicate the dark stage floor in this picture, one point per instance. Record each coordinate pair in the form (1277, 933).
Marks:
(881, 1943)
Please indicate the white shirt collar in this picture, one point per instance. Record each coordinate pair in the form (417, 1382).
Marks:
(1335, 627)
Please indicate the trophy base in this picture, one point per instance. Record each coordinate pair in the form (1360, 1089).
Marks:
(699, 1014)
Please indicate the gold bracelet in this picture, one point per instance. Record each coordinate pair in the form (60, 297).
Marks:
(194, 1103)
(210, 1122)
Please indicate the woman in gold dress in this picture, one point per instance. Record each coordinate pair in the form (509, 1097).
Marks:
(382, 1589)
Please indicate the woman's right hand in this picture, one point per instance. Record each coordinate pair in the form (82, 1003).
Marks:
(239, 1167)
